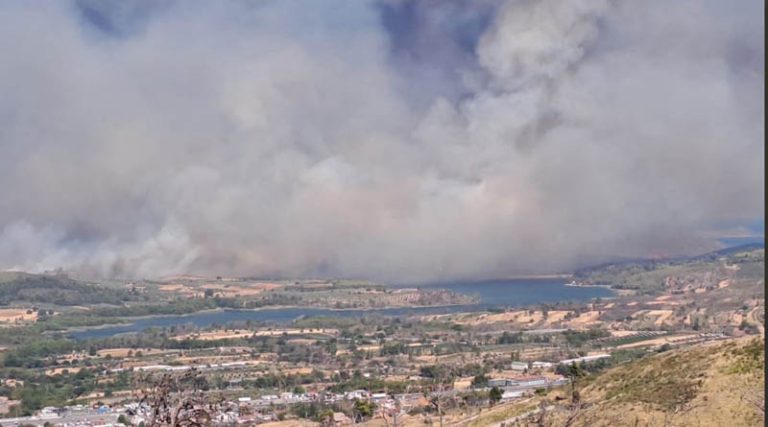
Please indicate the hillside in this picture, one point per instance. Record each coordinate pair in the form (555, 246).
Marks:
(651, 277)
(17, 287)
(706, 385)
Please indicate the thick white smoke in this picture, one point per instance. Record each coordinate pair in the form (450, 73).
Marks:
(295, 139)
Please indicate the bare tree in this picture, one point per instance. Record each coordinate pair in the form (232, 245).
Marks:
(177, 400)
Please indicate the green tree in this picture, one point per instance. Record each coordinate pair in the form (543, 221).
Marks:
(480, 380)
(363, 409)
(494, 396)
(574, 372)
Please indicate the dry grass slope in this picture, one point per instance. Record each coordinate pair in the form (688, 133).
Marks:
(707, 385)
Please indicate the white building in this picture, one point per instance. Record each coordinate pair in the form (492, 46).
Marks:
(584, 359)
(528, 382)
(508, 395)
(518, 366)
(378, 396)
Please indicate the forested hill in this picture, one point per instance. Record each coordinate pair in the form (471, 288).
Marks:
(58, 290)
(743, 264)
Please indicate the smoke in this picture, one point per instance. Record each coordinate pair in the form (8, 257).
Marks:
(394, 140)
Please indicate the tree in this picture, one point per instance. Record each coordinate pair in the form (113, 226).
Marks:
(494, 396)
(177, 400)
(326, 417)
(363, 409)
(574, 372)
(480, 380)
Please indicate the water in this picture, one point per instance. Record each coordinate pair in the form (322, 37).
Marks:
(520, 292)
(492, 293)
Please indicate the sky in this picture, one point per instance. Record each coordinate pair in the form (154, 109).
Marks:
(392, 140)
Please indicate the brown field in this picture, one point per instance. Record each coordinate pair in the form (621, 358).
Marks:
(296, 371)
(586, 318)
(225, 290)
(11, 315)
(462, 383)
(57, 371)
(660, 316)
(520, 316)
(657, 341)
(301, 341)
(557, 316)
(620, 334)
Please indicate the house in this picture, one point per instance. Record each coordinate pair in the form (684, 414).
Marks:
(519, 366)
(542, 365)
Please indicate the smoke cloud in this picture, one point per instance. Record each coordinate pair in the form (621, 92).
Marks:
(394, 140)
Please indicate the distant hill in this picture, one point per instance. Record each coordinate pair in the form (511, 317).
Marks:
(743, 263)
(56, 289)
(749, 247)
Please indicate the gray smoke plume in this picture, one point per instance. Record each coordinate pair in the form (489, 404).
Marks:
(393, 140)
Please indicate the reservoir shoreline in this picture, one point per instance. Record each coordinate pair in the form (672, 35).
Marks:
(493, 294)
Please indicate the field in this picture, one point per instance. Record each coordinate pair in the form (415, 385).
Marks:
(225, 290)
(11, 316)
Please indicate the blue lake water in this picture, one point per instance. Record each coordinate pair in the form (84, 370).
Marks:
(492, 294)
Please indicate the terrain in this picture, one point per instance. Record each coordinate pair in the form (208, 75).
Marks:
(712, 384)
(680, 343)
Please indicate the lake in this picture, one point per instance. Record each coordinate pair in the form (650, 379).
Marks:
(492, 294)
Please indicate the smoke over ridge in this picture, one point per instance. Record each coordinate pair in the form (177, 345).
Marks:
(393, 140)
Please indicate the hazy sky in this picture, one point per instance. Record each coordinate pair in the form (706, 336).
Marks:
(391, 140)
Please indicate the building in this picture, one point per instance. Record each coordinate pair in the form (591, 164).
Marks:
(584, 359)
(542, 365)
(378, 397)
(519, 366)
(527, 381)
(498, 382)
(509, 395)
